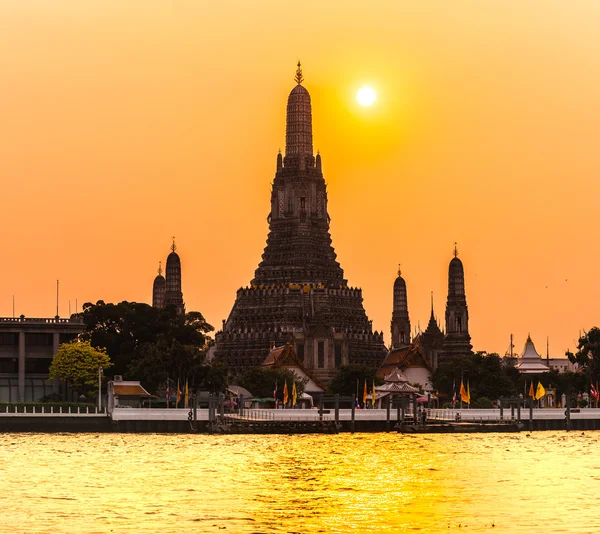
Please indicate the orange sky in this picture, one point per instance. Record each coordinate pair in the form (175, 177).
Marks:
(123, 123)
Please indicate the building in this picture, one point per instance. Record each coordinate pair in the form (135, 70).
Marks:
(561, 365)
(299, 294)
(395, 385)
(400, 326)
(530, 362)
(432, 340)
(411, 361)
(166, 291)
(284, 357)
(457, 341)
(126, 394)
(158, 289)
(27, 346)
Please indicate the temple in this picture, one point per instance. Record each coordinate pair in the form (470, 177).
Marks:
(299, 294)
(166, 291)
(457, 341)
(400, 326)
(530, 362)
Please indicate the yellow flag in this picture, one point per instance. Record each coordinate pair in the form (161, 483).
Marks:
(468, 392)
(294, 394)
(285, 393)
(540, 391)
(463, 392)
(365, 394)
(187, 394)
(373, 394)
(531, 391)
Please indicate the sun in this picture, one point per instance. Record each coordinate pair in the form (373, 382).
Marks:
(366, 96)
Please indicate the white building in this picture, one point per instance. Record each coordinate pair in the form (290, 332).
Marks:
(530, 362)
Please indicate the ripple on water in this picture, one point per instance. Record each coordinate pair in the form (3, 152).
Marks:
(312, 483)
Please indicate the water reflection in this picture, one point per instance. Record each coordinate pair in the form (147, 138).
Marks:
(305, 483)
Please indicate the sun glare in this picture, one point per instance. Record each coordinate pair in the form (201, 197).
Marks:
(366, 96)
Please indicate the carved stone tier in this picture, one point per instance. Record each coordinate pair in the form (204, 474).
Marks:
(299, 294)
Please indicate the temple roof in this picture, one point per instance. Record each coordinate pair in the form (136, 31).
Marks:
(530, 362)
(402, 358)
(396, 376)
(285, 356)
(130, 389)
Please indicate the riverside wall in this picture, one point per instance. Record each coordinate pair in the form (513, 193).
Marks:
(290, 421)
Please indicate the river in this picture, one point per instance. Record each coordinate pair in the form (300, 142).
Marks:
(542, 482)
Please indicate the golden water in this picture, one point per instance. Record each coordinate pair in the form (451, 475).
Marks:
(545, 482)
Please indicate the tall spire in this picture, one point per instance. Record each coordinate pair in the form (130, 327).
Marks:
(400, 325)
(432, 316)
(173, 247)
(455, 250)
(299, 78)
(298, 132)
(159, 289)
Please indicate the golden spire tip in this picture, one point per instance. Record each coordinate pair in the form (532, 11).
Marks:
(298, 78)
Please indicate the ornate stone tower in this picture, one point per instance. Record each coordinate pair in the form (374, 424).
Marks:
(299, 294)
(173, 294)
(457, 341)
(158, 289)
(432, 339)
(400, 321)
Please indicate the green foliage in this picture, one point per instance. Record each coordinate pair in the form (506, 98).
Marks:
(78, 362)
(136, 334)
(588, 356)
(351, 376)
(482, 402)
(488, 376)
(157, 362)
(261, 381)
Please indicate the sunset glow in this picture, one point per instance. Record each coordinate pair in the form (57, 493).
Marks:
(366, 96)
(124, 123)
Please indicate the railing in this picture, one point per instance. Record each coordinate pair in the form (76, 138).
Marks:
(42, 320)
(250, 415)
(42, 412)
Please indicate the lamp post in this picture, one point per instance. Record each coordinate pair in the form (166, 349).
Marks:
(99, 389)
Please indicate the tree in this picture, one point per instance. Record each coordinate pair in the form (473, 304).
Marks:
(351, 377)
(124, 328)
(588, 355)
(261, 381)
(78, 363)
(487, 374)
(156, 363)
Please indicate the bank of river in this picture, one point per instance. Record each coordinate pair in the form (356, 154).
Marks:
(545, 481)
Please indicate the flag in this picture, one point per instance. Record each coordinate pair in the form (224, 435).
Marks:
(468, 392)
(540, 391)
(463, 392)
(275, 391)
(356, 403)
(187, 394)
(373, 394)
(178, 394)
(453, 393)
(285, 393)
(365, 394)
(294, 394)
(531, 391)
(168, 392)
